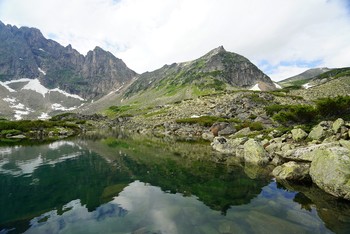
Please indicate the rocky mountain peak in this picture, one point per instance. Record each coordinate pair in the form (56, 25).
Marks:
(214, 52)
(25, 52)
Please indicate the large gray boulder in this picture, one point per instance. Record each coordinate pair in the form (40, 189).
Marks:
(227, 146)
(330, 170)
(255, 153)
(292, 171)
(306, 154)
(298, 134)
(321, 131)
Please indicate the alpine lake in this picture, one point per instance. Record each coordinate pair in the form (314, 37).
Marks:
(117, 183)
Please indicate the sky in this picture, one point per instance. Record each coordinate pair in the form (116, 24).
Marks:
(283, 38)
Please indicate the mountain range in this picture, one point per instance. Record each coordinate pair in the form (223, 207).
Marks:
(40, 78)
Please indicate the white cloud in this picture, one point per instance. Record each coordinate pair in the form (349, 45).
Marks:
(148, 34)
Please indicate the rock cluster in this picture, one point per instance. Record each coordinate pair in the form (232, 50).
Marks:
(321, 156)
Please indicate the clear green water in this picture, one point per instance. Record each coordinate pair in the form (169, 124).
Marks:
(101, 184)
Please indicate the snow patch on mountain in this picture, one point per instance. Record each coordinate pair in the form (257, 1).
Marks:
(255, 88)
(7, 87)
(278, 86)
(307, 86)
(36, 86)
(67, 94)
(10, 100)
(57, 106)
(19, 108)
(20, 113)
(44, 116)
(42, 71)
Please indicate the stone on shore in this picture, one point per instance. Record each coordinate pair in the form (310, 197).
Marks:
(255, 153)
(292, 171)
(330, 170)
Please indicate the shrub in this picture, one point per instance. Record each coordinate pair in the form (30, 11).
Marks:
(206, 121)
(274, 108)
(11, 132)
(334, 107)
(296, 114)
(253, 126)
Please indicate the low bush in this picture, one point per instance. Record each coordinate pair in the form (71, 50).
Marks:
(253, 126)
(10, 132)
(296, 114)
(334, 107)
(325, 109)
(206, 121)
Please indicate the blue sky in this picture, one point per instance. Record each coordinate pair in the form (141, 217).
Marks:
(283, 38)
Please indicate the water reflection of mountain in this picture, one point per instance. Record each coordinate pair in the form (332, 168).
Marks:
(55, 179)
(177, 167)
(39, 179)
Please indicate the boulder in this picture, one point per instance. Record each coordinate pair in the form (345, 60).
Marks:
(255, 153)
(227, 146)
(275, 133)
(330, 170)
(208, 136)
(305, 154)
(242, 132)
(318, 133)
(228, 130)
(336, 126)
(298, 134)
(292, 171)
(274, 147)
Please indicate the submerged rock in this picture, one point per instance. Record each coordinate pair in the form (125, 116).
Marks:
(330, 170)
(292, 171)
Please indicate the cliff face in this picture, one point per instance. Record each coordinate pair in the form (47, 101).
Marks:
(26, 53)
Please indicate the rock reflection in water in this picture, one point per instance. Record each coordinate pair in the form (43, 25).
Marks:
(333, 211)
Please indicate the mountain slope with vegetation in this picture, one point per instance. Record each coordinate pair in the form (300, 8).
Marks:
(217, 70)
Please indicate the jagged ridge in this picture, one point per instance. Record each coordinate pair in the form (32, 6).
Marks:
(26, 53)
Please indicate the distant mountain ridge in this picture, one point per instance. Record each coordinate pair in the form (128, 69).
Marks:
(26, 53)
(304, 77)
